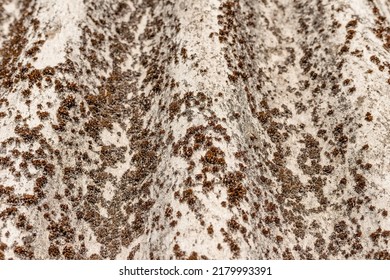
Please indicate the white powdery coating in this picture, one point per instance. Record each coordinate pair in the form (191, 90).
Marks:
(61, 21)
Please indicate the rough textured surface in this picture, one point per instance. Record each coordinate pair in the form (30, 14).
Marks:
(194, 129)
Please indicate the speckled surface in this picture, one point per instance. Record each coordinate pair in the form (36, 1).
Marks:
(194, 129)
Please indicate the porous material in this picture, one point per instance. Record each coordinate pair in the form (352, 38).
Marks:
(194, 129)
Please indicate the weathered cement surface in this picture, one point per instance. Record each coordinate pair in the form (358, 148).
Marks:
(194, 129)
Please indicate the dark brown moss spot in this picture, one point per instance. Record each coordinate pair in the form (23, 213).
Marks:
(346, 82)
(360, 183)
(29, 199)
(207, 185)
(328, 169)
(279, 239)
(26, 93)
(72, 86)
(210, 230)
(43, 115)
(174, 108)
(233, 225)
(367, 166)
(48, 71)
(352, 89)
(344, 49)
(234, 248)
(168, 212)
(350, 34)
(193, 256)
(215, 156)
(54, 251)
(179, 254)
(189, 197)
(24, 252)
(382, 255)
(236, 191)
(375, 59)
(35, 76)
(184, 53)
(95, 257)
(369, 117)
(58, 86)
(32, 51)
(287, 254)
(69, 253)
(351, 24)
(365, 147)
(29, 134)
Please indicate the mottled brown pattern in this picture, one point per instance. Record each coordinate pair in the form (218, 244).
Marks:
(202, 129)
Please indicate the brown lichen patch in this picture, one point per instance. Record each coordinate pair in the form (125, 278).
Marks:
(360, 183)
(97, 103)
(287, 254)
(53, 251)
(94, 126)
(145, 159)
(48, 168)
(207, 186)
(184, 54)
(32, 51)
(26, 93)
(350, 34)
(6, 191)
(233, 246)
(352, 23)
(128, 98)
(61, 230)
(58, 86)
(235, 190)
(193, 256)
(382, 255)
(189, 197)
(3, 247)
(68, 252)
(168, 211)
(110, 155)
(312, 147)
(48, 71)
(179, 254)
(233, 225)
(368, 117)
(43, 115)
(214, 155)
(29, 199)
(375, 59)
(63, 110)
(29, 134)
(174, 108)
(6, 162)
(35, 76)
(9, 211)
(210, 230)
(133, 251)
(24, 252)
